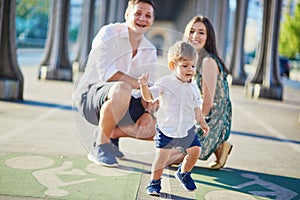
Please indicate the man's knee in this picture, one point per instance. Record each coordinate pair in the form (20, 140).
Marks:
(121, 90)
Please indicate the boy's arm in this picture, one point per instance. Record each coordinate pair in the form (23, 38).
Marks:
(146, 94)
(200, 119)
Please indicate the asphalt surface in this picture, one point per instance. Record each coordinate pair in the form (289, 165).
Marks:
(44, 143)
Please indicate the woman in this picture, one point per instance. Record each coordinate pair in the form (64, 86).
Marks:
(211, 79)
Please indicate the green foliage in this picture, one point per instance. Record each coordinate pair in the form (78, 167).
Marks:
(29, 8)
(32, 22)
(289, 39)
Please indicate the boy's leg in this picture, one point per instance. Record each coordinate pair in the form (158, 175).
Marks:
(190, 158)
(183, 174)
(161, 157)
(159, 163)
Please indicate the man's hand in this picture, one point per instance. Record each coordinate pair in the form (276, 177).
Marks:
(145, 126)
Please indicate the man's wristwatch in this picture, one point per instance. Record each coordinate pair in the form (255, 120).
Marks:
(152, 115)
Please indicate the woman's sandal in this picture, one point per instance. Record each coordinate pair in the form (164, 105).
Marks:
(225, 151)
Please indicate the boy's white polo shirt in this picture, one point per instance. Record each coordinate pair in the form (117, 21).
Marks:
(177, 101)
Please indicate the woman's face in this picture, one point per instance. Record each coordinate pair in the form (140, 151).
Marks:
(198, 35)
(140, 17)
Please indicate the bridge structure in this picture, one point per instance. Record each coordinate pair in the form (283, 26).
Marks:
(170, 15)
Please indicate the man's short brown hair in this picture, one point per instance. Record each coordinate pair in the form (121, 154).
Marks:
(151, 2)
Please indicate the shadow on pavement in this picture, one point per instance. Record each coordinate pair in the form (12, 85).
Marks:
(43, 104)
(253, 183)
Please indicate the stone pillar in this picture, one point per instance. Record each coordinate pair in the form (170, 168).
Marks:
(236, 68)
(218, 13)
(112, 11)
(100, 14)
(122, 5)
(86, 34)
(56, 64)
(222, 27)
(266, 82)
(202, 7)
(11, 77)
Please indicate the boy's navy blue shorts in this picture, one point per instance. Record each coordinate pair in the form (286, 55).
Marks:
(165, 142)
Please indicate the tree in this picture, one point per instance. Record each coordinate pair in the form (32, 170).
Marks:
(289, 40)
(29, 9)
(32, 22)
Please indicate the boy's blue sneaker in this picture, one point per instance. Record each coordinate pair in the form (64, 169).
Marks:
(186, 180)
(102, 155)
(154, 187)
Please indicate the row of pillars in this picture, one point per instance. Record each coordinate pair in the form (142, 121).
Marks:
(56, 64)
(266, 81)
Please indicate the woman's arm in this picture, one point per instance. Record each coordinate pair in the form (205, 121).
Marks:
(209, 77)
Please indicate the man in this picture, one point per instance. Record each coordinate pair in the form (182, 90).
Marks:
(107, 94)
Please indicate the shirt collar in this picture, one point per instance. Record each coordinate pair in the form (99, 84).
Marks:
(174, 78)
(125, 33)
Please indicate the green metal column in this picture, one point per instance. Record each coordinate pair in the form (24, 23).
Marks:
(11, 77)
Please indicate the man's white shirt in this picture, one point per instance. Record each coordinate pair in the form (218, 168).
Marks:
(112, 52)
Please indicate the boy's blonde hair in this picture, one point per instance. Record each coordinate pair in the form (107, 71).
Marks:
(182, 51)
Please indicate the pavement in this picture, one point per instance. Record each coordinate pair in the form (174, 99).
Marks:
(44, 143)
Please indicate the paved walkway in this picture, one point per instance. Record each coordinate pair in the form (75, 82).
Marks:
(43, 147)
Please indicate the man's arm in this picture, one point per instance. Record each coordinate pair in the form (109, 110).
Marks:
(120, 76)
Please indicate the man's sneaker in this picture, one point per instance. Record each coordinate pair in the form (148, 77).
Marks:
(114, 146)
(186, 180)
(115, 141)
(154, 187)
(102, 155)
(115, 150)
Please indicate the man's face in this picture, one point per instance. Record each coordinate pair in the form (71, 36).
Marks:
(140, 17)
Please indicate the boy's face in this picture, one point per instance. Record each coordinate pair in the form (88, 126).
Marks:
(140, 17)
(184, 70)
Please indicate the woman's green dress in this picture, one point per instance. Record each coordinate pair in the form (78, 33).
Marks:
(220, 116)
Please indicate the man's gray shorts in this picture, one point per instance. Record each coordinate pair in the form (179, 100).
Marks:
(94, 98)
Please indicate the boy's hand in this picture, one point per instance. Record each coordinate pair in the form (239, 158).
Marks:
(205, 129)
(143, 80)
